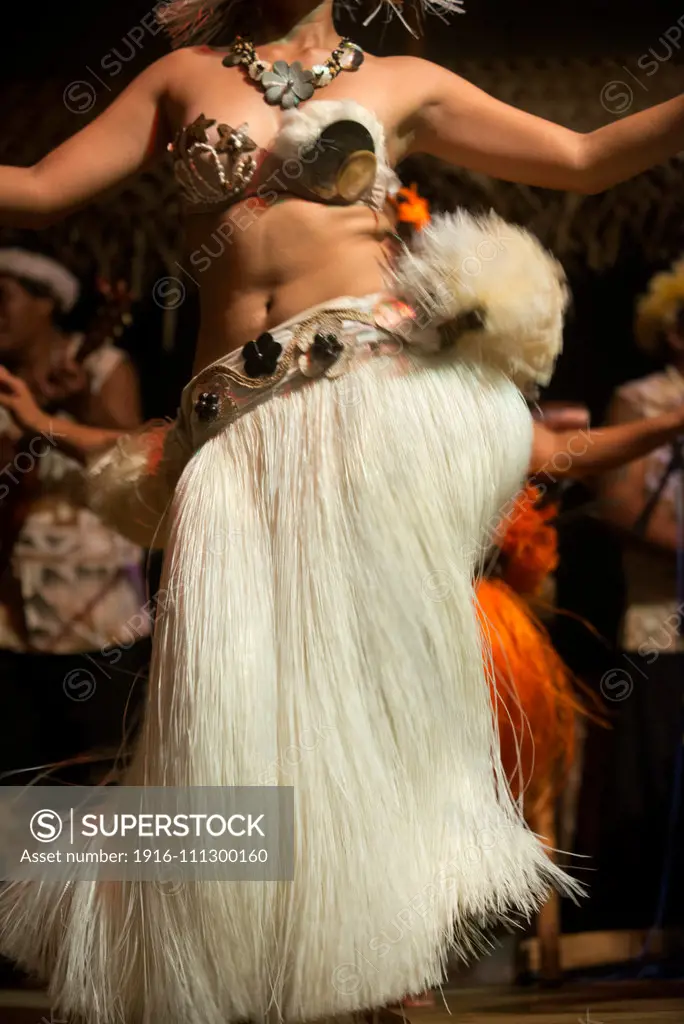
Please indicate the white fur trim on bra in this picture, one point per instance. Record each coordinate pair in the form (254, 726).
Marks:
(302, 127)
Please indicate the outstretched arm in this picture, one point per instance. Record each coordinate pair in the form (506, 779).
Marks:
(106, 152)
(572, 454)
(458, 122)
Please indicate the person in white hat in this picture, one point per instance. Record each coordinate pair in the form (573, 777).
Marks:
(71, 589)
(42, 365)
(36, 293)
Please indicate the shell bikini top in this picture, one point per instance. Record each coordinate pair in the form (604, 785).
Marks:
(332, 152)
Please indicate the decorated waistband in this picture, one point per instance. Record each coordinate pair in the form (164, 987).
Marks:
(322, 342)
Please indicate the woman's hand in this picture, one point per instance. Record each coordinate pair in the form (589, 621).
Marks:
(64, 381)
(16, 397)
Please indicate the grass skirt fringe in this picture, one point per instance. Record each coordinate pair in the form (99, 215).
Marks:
(321, 553)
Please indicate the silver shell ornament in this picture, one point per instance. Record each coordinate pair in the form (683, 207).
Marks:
(287, 85)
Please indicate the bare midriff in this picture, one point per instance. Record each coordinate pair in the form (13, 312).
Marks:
(258, 267)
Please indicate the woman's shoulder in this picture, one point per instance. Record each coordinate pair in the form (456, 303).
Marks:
(99, 364)
(409, 75)
(655, 393)
(415, 72)
(163, 76)
(397, 63)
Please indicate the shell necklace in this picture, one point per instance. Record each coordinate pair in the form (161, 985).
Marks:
(288, 85)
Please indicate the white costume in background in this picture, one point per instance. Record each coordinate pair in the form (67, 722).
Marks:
(651, 576)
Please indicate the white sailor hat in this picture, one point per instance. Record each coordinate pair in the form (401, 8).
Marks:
(32, 266)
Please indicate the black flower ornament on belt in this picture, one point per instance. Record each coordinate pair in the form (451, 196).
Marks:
(208, 407)
(322, 355)
(261, 356)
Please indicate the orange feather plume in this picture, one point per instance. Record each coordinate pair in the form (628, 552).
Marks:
(528, 542)
(411, 208)
(532, 690)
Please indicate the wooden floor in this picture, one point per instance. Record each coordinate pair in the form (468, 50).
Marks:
(598, 1003)
(633, 1002)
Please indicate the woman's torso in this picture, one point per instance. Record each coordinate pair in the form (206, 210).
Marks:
(257, 265)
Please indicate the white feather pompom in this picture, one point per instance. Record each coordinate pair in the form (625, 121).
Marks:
(491, 289)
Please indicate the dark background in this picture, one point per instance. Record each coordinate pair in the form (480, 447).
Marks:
(42, 38)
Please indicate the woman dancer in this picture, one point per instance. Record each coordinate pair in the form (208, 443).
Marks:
(646, 503)
(347, 471)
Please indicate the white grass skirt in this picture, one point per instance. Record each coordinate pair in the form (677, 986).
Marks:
(322, 550)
